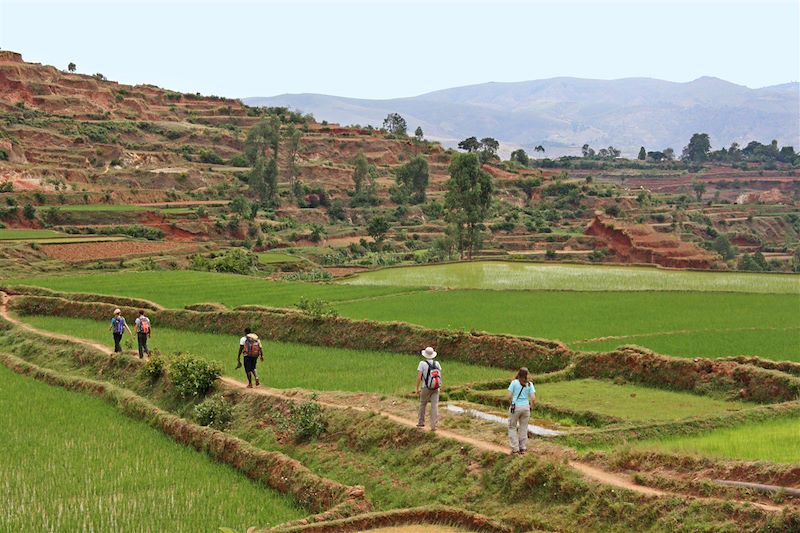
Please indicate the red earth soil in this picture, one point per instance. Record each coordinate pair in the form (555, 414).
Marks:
(92, 251)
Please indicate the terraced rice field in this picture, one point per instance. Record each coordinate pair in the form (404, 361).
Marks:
(286, 365)
(708, 324)
(267, 258)
(528, 276)
(629, 402)
(79, 465)
(23, 234)
(773, 440)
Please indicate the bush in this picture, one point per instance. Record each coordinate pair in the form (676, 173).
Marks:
(316, 308)
(211, 158)
(193, 376)
(153, 368)
(214, 412)
(305, 421)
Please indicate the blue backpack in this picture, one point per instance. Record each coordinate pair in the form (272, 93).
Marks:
(118, 325)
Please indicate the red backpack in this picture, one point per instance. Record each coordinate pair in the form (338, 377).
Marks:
(252, 348)
(433, 380)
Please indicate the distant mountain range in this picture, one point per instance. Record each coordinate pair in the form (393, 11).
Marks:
(564, 113)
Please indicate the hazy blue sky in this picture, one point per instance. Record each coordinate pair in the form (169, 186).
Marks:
(382, 49)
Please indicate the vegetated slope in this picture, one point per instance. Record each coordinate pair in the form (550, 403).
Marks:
(99, 141)
(564, 113)
(82, 466)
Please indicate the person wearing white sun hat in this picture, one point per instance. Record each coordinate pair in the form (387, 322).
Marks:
(429, 375)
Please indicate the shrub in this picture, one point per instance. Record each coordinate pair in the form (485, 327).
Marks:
(153, 368)
(316, 308)
(211, 158)
(29, 212)
(193, 376)
(214, 412)
(304, 421)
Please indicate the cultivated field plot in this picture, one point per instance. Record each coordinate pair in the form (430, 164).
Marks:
(82, 466)
(267, 258)
(25, 234)
(527, 276)
(286, 365)
(93, 251)
(628, 402)
(177, 289)
(707, 324)
(772, 440)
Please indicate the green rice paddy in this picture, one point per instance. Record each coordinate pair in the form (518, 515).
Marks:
(530, 276)
(22, 234)
(267, 258)
(629, 402)
(71, 462)
(773, 440)
(286, 365)
(707, 324)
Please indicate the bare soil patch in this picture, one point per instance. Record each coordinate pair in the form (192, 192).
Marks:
(76, 253)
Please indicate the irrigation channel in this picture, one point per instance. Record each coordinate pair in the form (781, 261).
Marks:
(533, 429)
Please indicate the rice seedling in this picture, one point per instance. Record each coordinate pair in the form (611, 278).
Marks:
(71, 462)
(772, 440)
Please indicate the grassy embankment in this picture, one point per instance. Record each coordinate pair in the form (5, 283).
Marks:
(79, 465)
(286, 365)
(708, 324)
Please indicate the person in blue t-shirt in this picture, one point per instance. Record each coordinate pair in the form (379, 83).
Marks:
(522, 395)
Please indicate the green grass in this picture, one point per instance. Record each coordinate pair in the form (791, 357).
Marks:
(73, 463)
(575, 316)
(179, 288)
(708, 324)
(267, 258)
(519, 276)
(773, 440)
(19, 234)
(780, 343)
(629, 402)
(287, 365)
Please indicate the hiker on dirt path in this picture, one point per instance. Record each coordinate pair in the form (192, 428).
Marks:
(118, 327)
(250, 346)
(429, 375)
(142, 333)
(522, 395)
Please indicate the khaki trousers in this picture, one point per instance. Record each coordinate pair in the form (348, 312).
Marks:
(518, 428)
(425, 396)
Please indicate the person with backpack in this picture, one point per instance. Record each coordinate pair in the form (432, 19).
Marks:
(250, 346)
(522, 395)
(118, 327)
(142, 333)
(429, 375)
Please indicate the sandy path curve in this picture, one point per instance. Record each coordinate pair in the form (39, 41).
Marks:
(590, 472)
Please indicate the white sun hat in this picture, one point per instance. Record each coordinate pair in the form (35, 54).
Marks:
(429, 353)
(117, 311)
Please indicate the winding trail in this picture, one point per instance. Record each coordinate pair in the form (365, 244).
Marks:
(589, 471)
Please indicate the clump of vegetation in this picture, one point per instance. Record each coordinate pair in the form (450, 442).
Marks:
(316, 308)
(193, 376)
(153, 368)
(234, 261)
(311, 275)
(214, 412)
(304, 421)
